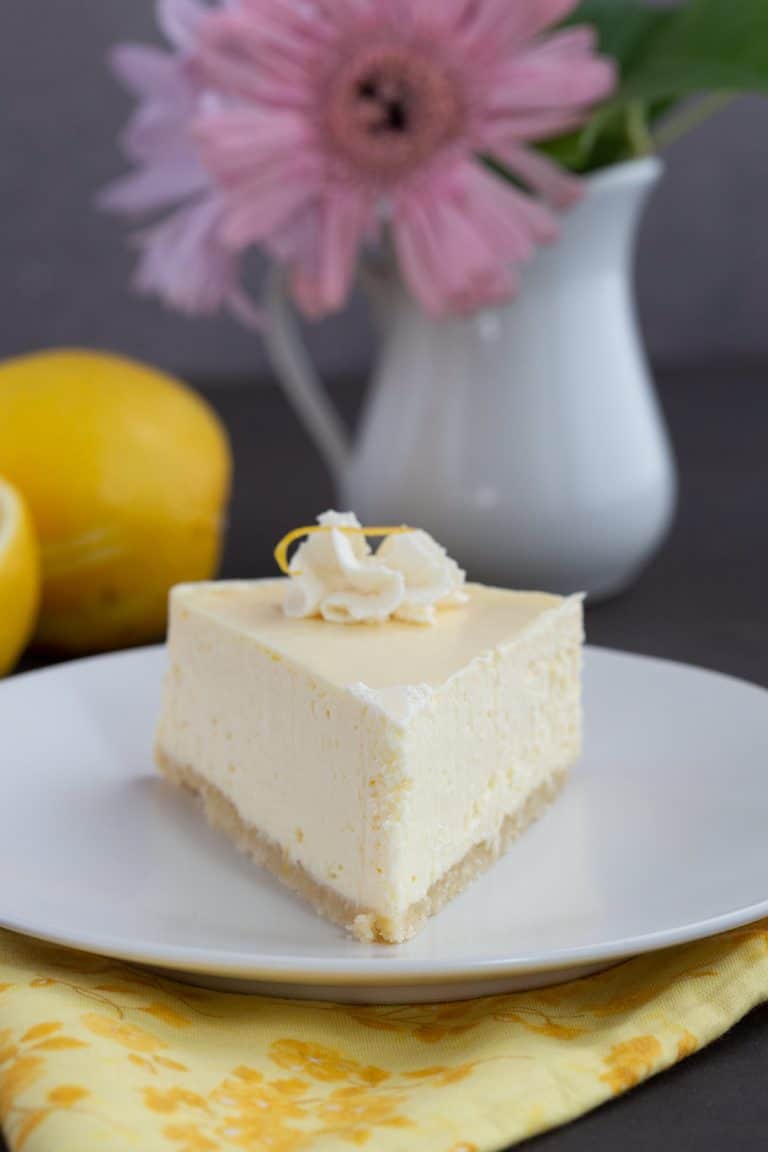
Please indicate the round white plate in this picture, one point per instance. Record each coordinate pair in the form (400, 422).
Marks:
(658, 839)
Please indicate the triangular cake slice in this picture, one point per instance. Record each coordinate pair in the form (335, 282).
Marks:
(377, 769)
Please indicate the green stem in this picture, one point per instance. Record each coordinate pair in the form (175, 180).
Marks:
(689, 117)
(640, 138)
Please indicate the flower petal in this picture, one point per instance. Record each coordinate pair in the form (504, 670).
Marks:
(561, 72)
(281, 42)
(558, 187)
(266, 167)
(238, 141)
(152, 187)
(183, 262)
(459, 238)
(528, 18)
(180, 21)
(322, 279)
(528, 124)
(156, 132)
(490, 31)
(149, 73)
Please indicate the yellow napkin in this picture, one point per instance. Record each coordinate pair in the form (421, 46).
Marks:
(98, 1055)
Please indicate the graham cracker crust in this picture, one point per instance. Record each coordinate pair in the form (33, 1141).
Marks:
(363, 923)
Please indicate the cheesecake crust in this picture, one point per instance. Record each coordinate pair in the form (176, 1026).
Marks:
(363, 923)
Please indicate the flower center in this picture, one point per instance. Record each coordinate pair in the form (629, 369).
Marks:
(389, 109)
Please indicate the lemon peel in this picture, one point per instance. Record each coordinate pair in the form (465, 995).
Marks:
(281, 551)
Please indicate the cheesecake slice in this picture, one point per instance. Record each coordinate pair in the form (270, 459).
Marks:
(377, 768)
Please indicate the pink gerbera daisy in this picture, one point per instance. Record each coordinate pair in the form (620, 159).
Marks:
(340, 117)
(182, 258)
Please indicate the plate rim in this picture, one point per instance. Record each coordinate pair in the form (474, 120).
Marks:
(351, 972)
(385, 968)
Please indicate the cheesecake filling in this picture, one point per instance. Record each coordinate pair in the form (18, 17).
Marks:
(471, 754)
(295, 755)
(374, 788)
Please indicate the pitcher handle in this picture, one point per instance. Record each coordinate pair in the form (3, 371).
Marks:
(300, 381)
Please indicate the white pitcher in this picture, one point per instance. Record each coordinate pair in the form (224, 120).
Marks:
(526, 439)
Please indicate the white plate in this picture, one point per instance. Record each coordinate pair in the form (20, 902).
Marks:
(658, 839)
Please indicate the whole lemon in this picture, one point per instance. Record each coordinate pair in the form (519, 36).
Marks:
(127, 474)
(19, 576)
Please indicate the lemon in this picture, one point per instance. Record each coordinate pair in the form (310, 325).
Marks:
(19, 576)
(126, 472)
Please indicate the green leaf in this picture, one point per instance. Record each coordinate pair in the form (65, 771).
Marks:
(608, 137)
(663, 56)
(702, 45)
(603, 139)
(623, 27)
(624, 30)
(707, 45)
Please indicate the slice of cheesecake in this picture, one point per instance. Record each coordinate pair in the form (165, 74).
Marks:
(376, 768)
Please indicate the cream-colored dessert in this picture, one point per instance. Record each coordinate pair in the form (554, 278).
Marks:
(376, 767)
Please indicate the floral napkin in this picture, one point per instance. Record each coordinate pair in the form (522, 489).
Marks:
(98, 1055)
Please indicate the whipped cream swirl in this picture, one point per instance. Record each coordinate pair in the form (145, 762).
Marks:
(334, 574)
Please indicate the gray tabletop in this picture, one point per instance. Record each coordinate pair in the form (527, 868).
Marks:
(703, 600)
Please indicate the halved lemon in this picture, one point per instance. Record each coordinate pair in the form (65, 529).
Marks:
(19, 576)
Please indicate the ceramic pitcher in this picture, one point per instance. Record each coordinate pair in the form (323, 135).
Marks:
(527, 439)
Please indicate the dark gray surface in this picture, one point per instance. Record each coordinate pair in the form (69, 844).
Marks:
(703, 600)
(65, 269)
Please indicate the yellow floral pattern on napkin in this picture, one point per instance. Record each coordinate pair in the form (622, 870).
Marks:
(95, 1054)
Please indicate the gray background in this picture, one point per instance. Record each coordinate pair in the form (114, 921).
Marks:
(65, 269)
